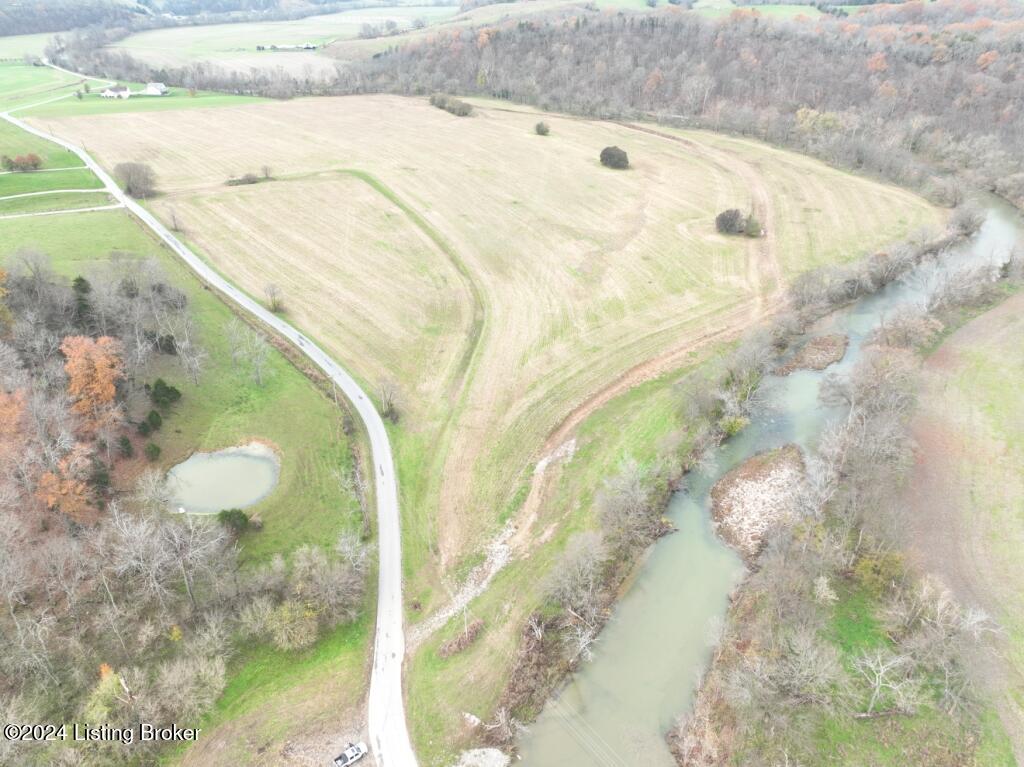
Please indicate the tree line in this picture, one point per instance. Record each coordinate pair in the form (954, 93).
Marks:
(907, 91)
(912, 92)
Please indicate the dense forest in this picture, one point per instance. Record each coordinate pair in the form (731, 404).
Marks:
(24, 18)
(115, 610)
(884, 89)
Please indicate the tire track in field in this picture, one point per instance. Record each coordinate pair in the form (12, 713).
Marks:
(762, 263)
(728, 325)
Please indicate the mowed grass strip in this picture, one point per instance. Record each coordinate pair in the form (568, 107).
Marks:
(36, 181)
(42, 203)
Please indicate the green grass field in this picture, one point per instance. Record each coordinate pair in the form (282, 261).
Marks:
(14, 47)
(14, 141)
(969, 487)
(21, 183)
(21, 85)
(178, 98)
(782, 11)
(48, 202)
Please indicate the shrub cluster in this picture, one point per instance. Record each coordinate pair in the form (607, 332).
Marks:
(21, 162)
(613, 157)
(248, 178)
(732, 221)
(451, 104)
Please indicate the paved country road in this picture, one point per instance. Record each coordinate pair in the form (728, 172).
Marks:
(389, 737)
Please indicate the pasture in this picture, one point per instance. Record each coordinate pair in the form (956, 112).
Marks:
(511, 287)
(23, 85)
(968, 485)
(536, 277)
(233, 46)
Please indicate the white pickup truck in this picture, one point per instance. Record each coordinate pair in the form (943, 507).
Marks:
(350, 755)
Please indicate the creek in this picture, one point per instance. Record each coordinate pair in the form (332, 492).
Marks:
(648, 660)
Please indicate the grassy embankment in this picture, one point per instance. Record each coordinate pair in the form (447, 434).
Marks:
(307, 507)
(856, 627)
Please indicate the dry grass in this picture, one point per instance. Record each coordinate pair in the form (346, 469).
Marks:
(581, 275)
(967, 489)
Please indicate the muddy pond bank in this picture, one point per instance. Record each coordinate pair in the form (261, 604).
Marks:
(233, 478)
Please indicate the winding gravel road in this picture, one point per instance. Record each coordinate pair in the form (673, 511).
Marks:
(389, 737)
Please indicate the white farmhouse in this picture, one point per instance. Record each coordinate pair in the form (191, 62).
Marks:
(116, 92)
(154, 89)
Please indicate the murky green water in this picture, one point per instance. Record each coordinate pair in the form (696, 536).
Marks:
(649, 659)
(234, 478)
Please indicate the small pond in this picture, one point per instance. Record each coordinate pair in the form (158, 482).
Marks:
(233, 478)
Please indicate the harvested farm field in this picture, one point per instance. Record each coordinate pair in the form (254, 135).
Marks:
(502, 281)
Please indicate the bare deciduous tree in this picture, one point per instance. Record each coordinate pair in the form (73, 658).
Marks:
(138, 179)
(275, 297)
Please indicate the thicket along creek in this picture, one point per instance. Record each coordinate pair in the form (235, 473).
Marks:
(648, 661)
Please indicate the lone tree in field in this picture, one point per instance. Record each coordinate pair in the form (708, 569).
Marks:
(730, 221)
(389, 400)
(275, 297)
(138, 179)
(613, 157)
(542, 128)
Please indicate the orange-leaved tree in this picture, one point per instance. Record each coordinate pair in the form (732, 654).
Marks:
(66, 488)
(12, 423)
(94, 367)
